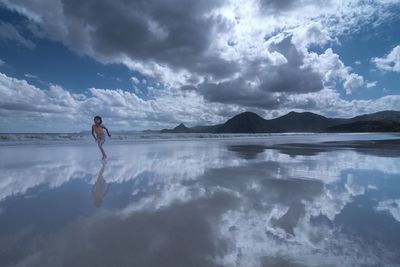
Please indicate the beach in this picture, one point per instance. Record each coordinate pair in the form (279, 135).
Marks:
(276, 200)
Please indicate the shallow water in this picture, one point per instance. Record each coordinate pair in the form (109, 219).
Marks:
(229, 202)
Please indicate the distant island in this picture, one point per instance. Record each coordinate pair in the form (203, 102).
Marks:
(250, 122)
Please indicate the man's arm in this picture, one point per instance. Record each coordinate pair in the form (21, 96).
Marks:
(107, 130)
(95, 139)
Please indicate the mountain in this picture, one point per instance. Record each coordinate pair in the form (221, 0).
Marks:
(246, 122)
(365, 126)
(205, 128)
(181, 128)
(304, 122)
(250, 122)
(383, 121)
(388, 115)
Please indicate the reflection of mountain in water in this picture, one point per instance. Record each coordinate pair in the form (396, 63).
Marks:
(384, 148)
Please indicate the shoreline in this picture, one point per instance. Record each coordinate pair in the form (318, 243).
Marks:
(280, 138)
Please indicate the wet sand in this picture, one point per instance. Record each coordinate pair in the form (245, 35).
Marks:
(202, 203)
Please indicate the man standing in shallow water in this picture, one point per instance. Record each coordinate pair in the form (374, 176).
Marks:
(100, 136)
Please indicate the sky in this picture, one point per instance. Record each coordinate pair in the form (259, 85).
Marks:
(152, 64)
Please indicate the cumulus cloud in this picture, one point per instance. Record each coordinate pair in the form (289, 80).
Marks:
(66, 111)
(263, 83)
(353, 81)
(330, 101)
(333, 69)
(390, 62)
(214, 59)
(25, 106)
(207, 45)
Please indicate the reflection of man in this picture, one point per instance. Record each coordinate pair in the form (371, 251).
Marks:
(100, 187)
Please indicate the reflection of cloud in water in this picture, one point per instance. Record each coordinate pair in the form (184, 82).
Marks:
(262, 208)
(54, 168)
(164, 162)
(391, 206)
(180, 235)
(283, 219)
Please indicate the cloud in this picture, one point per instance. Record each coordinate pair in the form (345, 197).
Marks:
(213, 59)
(135, 80)
(60, 109)
(148, 31)
(31, 76)
(390, 62)
(263, 83)
(353, 81)
(25, 106)
(371, 84)
(273, 212)
(333, 69)
(330, 102)
(142, 238)
(9, 32)
(210, 46)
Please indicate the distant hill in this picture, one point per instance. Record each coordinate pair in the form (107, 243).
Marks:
(250, 122)
(388, 115)
(246, 122)
(181, 128)
(304, 122)
(366, 126)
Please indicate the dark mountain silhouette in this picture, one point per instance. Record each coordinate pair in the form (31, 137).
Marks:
(250, 122)
(388, 115)
(181, 128)
(246, 122)
(366, 126)
(304, 122)
(205, 128)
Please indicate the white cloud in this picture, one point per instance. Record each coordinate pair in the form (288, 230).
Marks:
(231, 39)
(371, 84)
(329, 103)
(390, 62)
(333, 69)
(352, 81)
(313, 33)
(66, 111)
(135, 80)
(24, 106)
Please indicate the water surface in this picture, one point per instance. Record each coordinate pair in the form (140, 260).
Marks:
(284, 201)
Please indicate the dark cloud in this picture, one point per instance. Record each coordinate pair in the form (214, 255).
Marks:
(278, 4)
(285, 5)
(178, 34)
(175, 33)
(288, 78)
